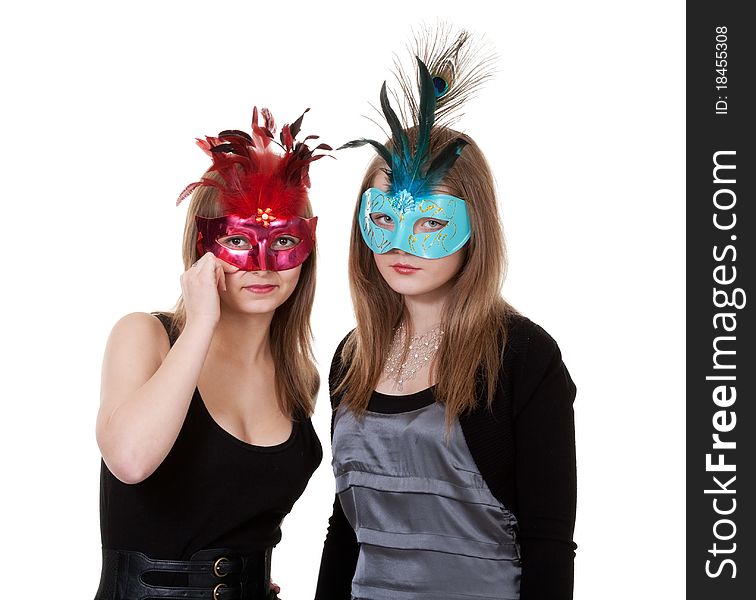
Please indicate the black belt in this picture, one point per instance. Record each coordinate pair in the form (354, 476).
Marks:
(214, 574)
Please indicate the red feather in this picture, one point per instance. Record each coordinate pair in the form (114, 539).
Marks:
(254, 175)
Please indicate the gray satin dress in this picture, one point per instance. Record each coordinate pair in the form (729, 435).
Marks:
(427, 524)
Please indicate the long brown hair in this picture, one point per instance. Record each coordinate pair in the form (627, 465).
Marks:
(297, 379)
(475, 313)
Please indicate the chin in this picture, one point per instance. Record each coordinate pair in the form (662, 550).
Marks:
(260, 307)
(246, 303)
(246, 308)
(408, 285)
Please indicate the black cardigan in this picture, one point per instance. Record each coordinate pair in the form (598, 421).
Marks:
(524, 447)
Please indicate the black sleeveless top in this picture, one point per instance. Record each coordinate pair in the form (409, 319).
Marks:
(211, 491)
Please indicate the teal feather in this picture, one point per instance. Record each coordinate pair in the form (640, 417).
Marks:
(382, 151)
(426, 118)
(449, 71)
(443, 162)
(401, 154)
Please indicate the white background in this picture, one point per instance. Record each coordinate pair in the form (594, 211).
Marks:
(584, 129)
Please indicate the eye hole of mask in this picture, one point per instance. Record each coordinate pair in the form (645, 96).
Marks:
(235, 242)
(382, 220)
(285, 242)
(429, 225)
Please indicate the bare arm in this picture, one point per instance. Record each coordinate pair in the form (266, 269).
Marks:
(147, 385)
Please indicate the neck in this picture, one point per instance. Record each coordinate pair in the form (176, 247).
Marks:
(242, 339)
(424, 312)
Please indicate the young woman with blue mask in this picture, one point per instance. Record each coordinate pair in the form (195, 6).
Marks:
(453, 435)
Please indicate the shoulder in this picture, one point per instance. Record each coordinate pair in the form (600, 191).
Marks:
(533, 360)
(141, 323)
(531, 341)
(342, 343)
(140, 331)
(337, 368)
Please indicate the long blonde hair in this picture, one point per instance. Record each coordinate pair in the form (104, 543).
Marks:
(475, 313)
(297, 380)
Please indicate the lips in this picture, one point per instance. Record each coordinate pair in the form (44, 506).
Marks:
(404, 269)
(260, 288)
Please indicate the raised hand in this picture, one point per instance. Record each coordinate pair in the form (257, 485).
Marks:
(200, 285)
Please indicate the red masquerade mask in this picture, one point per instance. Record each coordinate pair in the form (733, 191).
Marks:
(245, 243)
(263, 194)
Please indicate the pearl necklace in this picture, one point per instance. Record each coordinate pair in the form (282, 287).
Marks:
(401, 366)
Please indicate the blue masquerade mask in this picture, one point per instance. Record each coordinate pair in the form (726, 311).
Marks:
(410, 216)
(429, 226)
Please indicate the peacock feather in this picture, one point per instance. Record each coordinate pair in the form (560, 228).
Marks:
(448, 72)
